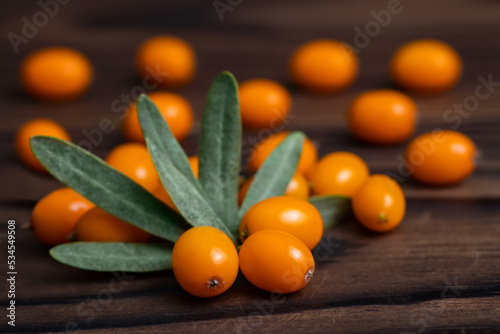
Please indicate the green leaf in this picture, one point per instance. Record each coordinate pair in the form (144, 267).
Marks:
(273, 176)
(106, 187)
(114, 256)
(191, 201)
(220, 148)
(333, 209)
(157, 131)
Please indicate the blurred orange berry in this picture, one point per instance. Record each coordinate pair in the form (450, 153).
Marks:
(338, 173)
(379, 204)
(324, 66)
(56, 73)
(263, 103)
(441, 158)
(36, 127)
(133, 160)
(169, 60)
(383, 116)
(262, 150)
(175, 110)
(426, 66)
(98, 225)
(55, 215)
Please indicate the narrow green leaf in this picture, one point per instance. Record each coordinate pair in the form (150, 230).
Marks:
(190, 201)
(273, 176)
(157, 131)
(333, 209)
(106, 187)
(220, 148)
(114, 256)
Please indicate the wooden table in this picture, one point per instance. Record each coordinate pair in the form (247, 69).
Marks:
(438, 272)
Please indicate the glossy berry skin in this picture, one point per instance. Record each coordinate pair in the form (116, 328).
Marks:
(133, 160)
(262, 150)
(168, 60)
(426, 66)
(36, 127)
(441, 158)
(379, 204)
(175, 110)
(295, 216)
(205, 261)
(55, 215)
(162, 194)
(276, 261)
(263, 103)
(383, 117)
(98, 225)
(324, 66)
(338, 173)
(56, 74)
(297, 187)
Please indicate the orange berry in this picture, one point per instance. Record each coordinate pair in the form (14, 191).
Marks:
(263, 103)
(383, 116)
(175, 110)
(55, 216)
(287, 214)
(426, 66)
(205, 261)
(133, 160)
(36, 127)
(325, 66)
(338, 173)
(56, 73)
(441, 158)
(262, 150)
(298, 187)
(276, 261)
(379, 204)
(98, 225)
(169, 60)
(162, 194)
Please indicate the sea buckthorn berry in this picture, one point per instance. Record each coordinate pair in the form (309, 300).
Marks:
(383, 116)
(36, 127)
(426, 66)
(298, 187)
(338, 173)
(262, 150)
(175, 110)
(295, 216)
(56, 73)
(276, 261)
(263, 103)
(168, 60)
(379, 204)
(162, 194)
(98, 225)
(441, 158)
(324, 66)
(205, 261)
(133, 160)
(55, 216)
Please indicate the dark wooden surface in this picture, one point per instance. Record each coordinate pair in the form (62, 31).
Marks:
(438, 272)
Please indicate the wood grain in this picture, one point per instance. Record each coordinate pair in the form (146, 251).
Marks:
(438, 272)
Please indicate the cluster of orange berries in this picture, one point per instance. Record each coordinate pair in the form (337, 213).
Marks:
(289, 224)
